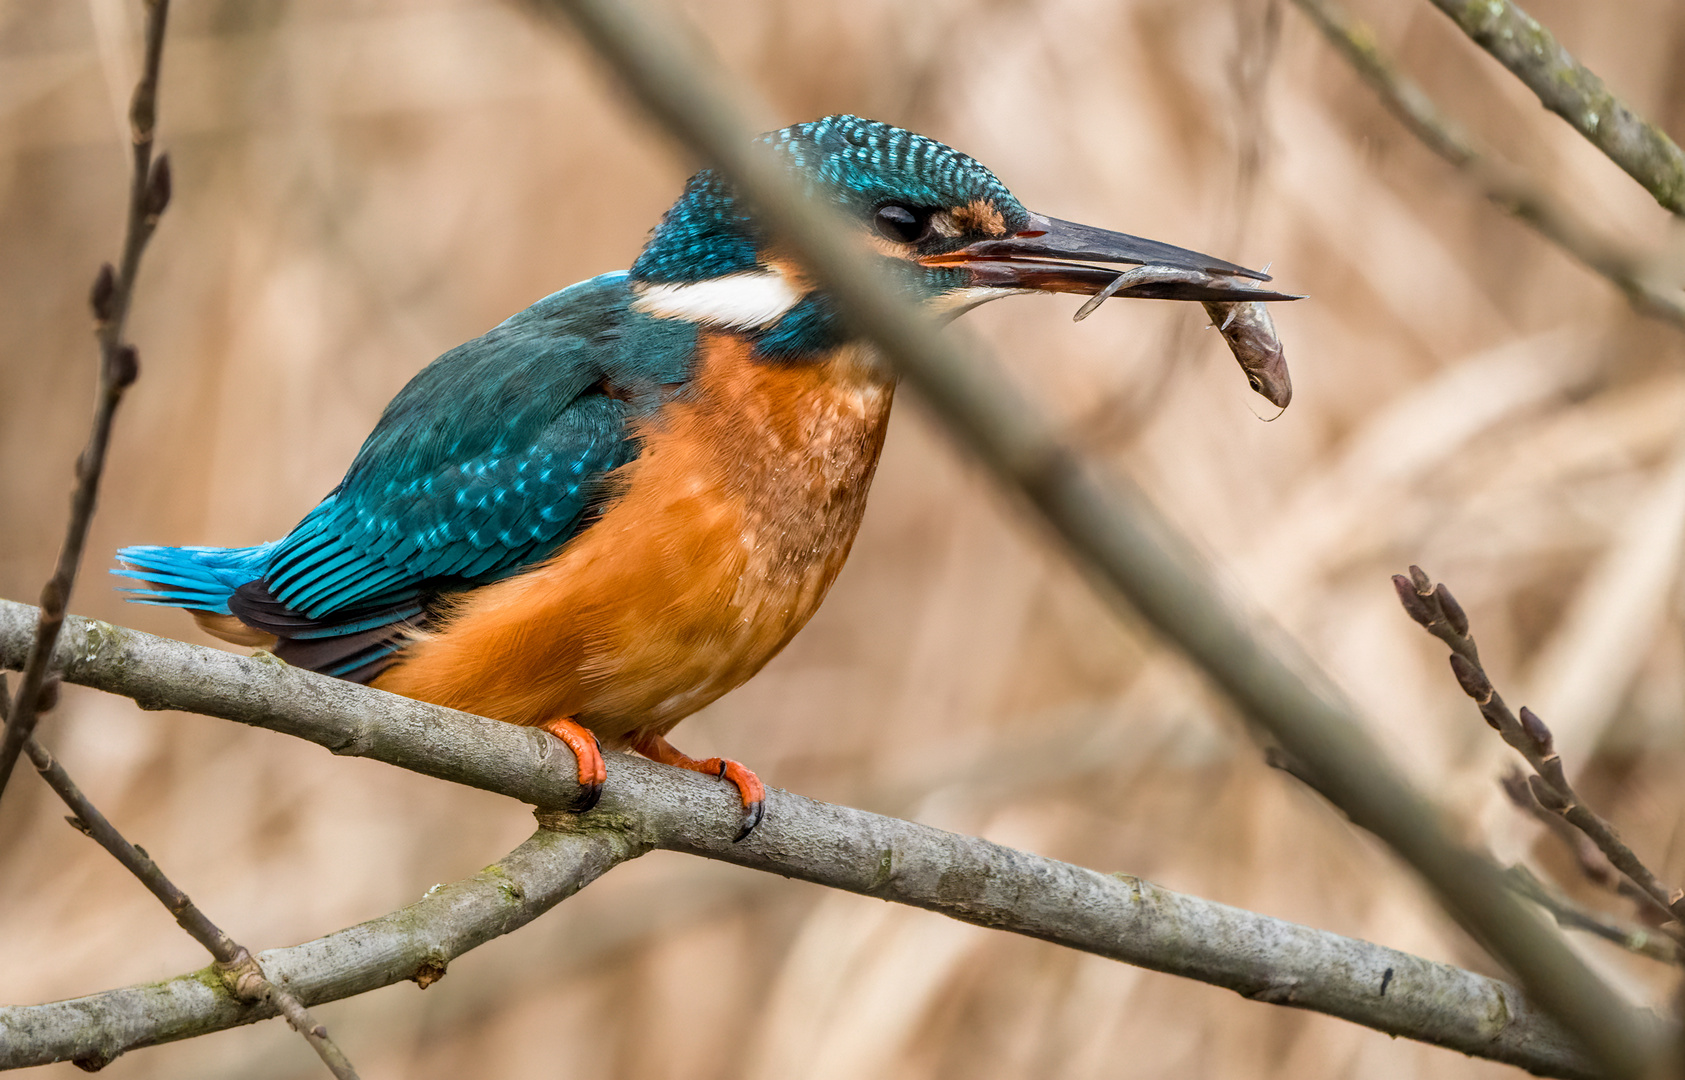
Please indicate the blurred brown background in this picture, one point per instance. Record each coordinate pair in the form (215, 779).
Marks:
(361, 186)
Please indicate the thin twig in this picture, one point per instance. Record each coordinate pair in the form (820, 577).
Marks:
(1114, 533)
(647, 805)
(1594, 865)
(1438, 612)
(149, 194)
(1574, 92)
(1630, 271)
(240, 973)
(1635, 939)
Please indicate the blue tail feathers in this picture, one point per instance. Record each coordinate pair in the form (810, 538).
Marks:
(197, 578)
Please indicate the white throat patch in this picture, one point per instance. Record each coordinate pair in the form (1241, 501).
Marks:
(743, 301)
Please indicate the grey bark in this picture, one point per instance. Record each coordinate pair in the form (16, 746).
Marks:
(1574, 92)
(649, 806)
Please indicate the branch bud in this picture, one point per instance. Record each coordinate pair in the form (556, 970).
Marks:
(78, 824)
(1549, 798)
(1515, 786)
(48, 695)
(104, 292)
(1454, 613)
(1414, 605)
(124, 368)
(1535, 729)
(1473, 680)
(158, 188)
(1420, 579)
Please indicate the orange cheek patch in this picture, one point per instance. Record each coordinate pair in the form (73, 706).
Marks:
(979, 216)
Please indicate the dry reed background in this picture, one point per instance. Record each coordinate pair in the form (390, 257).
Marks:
(359, 187)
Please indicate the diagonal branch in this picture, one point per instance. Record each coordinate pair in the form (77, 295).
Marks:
(1500, 182)
(1115, 535)
(149, 194)
(241, 976)
(1574, 92)
(645, 806)
(415, 943)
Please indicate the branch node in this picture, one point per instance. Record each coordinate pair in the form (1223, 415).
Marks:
(124, 367)
(157, 189)
(48, 696)
(100, 297)
(430, 971)
(242, 976)
(93, 1062)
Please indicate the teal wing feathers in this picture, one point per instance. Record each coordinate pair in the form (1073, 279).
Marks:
(486, 463)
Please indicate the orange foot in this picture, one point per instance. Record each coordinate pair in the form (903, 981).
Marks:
(748, 784)
(588, 752)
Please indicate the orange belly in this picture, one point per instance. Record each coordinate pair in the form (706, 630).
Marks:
(729, 529)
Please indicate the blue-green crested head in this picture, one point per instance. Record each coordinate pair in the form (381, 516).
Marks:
(904, 189)
(910, 196)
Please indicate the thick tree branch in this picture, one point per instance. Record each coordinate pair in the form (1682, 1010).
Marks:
(1115, 534)
(1574, 92)
(1500, 182)
(647, 806)
(149, 193)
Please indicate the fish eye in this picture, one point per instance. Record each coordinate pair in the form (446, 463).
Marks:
(903, 224)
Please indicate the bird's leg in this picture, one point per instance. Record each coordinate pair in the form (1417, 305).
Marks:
(589, 753)
(748, 784)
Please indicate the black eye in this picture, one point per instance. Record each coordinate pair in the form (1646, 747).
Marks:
(901, 224)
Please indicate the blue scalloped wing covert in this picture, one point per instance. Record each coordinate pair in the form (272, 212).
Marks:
(488, 460)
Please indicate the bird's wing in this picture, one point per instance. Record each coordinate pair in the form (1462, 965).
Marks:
(487, 462)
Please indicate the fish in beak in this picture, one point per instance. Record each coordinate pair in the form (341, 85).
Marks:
(1050, 255)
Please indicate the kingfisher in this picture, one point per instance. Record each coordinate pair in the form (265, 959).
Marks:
(622, 502)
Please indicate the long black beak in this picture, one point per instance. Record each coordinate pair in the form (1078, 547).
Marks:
(1050, 255)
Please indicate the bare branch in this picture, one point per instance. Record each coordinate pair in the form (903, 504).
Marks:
(239, 973)
(1439, 613)
(1574, 92)
(1593, 864)
(1503, 184)
(149, 194)
(416, 943)
(1116, 536)
(1635, 939)
(646, 805)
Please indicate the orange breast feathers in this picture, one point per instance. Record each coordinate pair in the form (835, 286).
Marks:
(728, 531)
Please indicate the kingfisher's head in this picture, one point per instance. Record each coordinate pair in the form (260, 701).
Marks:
(946, 228)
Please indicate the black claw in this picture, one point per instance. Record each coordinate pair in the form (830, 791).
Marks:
(752, 815)
(588, 796)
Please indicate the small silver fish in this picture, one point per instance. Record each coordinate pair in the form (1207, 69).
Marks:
(1250, 332)
(1245, 324)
